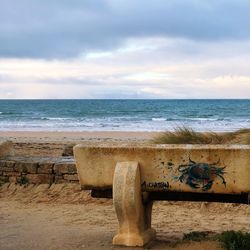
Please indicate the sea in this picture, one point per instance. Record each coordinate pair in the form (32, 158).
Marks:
(124, 115)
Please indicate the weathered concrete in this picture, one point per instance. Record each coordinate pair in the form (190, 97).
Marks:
(184, 168)
(135, 173)
(6, 148)
(133, 212)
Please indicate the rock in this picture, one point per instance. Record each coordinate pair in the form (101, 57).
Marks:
(16, 174)
(65, 168)
(45, 168)
(26, 167)
(7, 165)
(59, 179)
(40, 178)
(71, 177)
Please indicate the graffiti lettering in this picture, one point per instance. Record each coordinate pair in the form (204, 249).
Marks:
(155, 185)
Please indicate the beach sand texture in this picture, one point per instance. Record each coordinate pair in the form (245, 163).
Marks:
(64, 217)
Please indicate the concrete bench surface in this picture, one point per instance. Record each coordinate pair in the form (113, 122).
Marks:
(134, 173)
(184, 168)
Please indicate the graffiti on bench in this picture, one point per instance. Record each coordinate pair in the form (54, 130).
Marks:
(200, 174)
(155, 185)
(197, 175)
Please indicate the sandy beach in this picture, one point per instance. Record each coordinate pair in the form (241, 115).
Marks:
(77, 136)
(62, 216)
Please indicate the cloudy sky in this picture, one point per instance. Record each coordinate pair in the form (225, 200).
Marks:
(124, 49)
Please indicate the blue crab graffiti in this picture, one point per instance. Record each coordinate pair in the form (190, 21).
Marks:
(201, 175)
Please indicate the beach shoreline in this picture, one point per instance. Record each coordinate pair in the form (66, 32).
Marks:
(76, 136)
(44, 143)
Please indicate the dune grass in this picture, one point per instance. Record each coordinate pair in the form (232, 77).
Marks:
(185, 135)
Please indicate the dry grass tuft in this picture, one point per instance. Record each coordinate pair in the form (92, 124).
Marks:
(184, 135)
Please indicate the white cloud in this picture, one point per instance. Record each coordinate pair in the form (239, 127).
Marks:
(142, 68)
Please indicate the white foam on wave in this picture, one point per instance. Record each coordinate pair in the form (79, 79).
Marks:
(159, 119)
(201, 119)
(56, 118)
(114, 124)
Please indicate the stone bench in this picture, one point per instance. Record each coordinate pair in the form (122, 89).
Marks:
(139, 175)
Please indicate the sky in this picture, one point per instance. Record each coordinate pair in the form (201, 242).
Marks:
(124, 49)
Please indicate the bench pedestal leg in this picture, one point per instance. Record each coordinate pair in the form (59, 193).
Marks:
(133, 212)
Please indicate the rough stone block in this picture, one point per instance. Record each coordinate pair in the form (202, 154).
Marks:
(16, 174)
(59, 179)
(26, 167)
(10, 163)
(6, 169)
(71, 177)
(7, 165)
(40, 178)
(45, 168)
(65, 168)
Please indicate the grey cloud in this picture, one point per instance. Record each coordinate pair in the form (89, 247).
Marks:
(102, 81)
(62, 29)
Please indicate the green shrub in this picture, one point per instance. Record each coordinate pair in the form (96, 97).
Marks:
(235, 240)
(195, 236)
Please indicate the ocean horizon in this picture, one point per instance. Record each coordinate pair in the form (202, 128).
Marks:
(216, 115)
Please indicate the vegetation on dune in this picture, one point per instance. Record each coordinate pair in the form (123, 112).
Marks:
(235, 240)
(195, 236)
(231, 240)
(184, 135)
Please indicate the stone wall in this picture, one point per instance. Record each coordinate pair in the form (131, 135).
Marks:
(38, 170)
